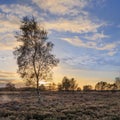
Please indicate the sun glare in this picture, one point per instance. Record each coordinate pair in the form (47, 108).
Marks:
(43, 83)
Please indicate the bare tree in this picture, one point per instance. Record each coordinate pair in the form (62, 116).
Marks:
(34, 58)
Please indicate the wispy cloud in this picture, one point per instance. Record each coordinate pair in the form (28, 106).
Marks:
(97, 36)
(61, 7)
(99, 62)
(7, 41)
(17, 9)
(7, 75)
(10, 17)
(79, 25)
(12, 13)
(91, 44)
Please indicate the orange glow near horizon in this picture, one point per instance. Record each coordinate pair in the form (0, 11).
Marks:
(82, 77)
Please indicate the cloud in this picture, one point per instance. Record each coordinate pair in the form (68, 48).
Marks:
(6, 77)
(97, 36)
(95, 62)
(83, 22)
(18, 83)
(79, 25)
(12, 13)
(111, 53)
(13, 77)
(10, 17)
(8, 41)
(91, 44)
(9, 24)
(80, 61)
(6, 74)
(61, 7)
(17, 9)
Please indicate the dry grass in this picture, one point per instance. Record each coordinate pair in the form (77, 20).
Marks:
(60, 106)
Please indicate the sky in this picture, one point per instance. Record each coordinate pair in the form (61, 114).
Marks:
(85, 33)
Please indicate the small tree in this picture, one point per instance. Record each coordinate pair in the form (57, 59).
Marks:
(87, 88)
(10, 86)
(101, 86)
(117, 83)
(78, 89)
(73, 84)
(67, 84)
(113, 87)
(60, 87)
(52, 87)
(42, 87)
(34, 58)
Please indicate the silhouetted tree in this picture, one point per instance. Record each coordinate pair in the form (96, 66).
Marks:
(87, 88)
(113, 87)
(117, 83)
(34, 58)
(52, 86)
(73, 84)
(60, 87)
(78, 89)
(42, 87)
(67, 84)
(106, 86)
(10, 86)
(101, 86)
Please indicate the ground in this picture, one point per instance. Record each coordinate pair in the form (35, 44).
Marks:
(60, 106)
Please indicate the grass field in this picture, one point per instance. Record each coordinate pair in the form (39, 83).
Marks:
(60, 106)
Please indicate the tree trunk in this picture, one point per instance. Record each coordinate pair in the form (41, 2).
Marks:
(37, 86)
(37, 78)
(40, 99)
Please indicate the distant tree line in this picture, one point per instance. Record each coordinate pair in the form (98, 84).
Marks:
(107, 86)
(68, 84)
